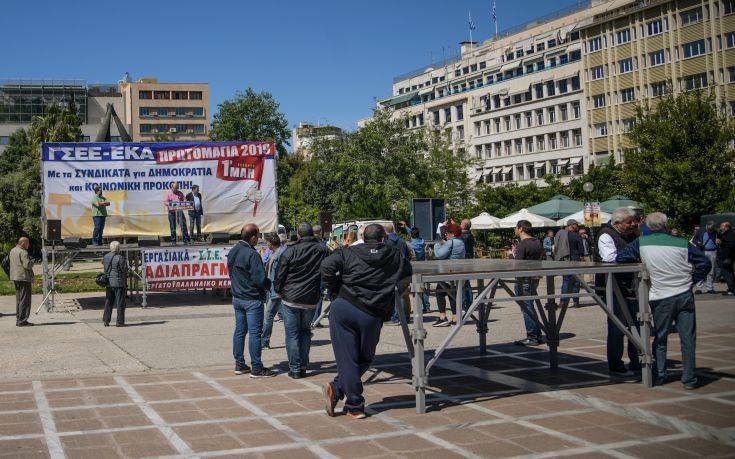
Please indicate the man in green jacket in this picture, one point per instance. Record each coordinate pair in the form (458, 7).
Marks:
(21, 273)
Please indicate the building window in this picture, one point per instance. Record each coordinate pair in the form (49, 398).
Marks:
(729, 6)
(731, 74)
(563, 89)
(180, 111)
(145, 128)
(625, 65)
(563, 59)
(552, 115)
(658, 88)
(694, 48)
(144, 111)
(460, 113)
(564, 112)
(145, 94)
(627, 95)
(550, 91)
(598, 101)
(497, 125)
(577, 111)
(518, 121)
(436, 118)
(552, 141)
(655, 27)
(597, 73)
(577, 133)
(565, 139)
(507, 123)
(529, 117)
(539, 117)
(161, 94)
(180, 95)
(162, 111)
(623, 36)
(507, 148)
(539, 91)
(448, 115)
(551, 43)
(195, 95)
(519, 146)
(595, 44)
(575, 83)
(730, 36)
(198, 129)
(694, 81)
(529, 145)
(540, 143)
(4, 140)
(628, 124)
(691, 16)
(600, 129)
(656, 58)
(540, 46)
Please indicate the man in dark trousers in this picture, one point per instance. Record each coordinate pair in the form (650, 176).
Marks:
(363, 279)
(196, 212)
(727, 256)
(392, 238)
(469, 252)
(297, 281)
(576, 249)
(249, 286)
(21, 273)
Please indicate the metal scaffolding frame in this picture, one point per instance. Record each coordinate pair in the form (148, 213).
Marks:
(493, 274)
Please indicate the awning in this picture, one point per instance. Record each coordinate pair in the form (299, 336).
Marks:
(518, 85)
(510, 66)
(494, 69)
(574, 47)
(562, 162)
(563, 32)
(539, 165)
(561, 50)
(534, 59)
(426, 91)
(399, 99)
(575, 161)
(507, 169)
(497, 170)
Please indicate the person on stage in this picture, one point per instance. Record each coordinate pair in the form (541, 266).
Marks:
(195, 214)
(99, 214)
(174, 215)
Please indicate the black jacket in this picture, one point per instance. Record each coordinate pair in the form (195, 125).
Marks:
(297, 277)
(190, 197)
(624, 280)
(247, 273)
(366, 275)
(727, 245)
(469, 244)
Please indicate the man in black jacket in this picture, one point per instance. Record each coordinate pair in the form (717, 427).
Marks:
(363, 278)
(195, 214)
(297, 281)
(249, 285)
(727, 256)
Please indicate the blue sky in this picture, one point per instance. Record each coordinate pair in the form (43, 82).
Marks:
(324, 61)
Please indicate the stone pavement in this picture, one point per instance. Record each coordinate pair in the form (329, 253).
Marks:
(139, 403)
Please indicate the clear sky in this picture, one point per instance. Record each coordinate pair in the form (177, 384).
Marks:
(324, 61)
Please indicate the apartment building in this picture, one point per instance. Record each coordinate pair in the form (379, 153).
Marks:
(171, 111)
(304, 135)
(557, 94)
(638, 51)
(22, 99)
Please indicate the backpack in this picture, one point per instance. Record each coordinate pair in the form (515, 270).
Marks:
(6, 264)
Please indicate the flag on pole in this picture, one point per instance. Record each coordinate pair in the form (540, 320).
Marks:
(471, 22)
(495, 18)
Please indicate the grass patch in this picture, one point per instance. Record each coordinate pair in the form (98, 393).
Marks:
(65, 283)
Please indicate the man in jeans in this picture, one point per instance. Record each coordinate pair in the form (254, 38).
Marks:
(297, 281)
(99, 214)
(249, 286)
(528, 248)
(173, 196)
(21, 273)
(706, 241)
(273, 306)
(673, 265)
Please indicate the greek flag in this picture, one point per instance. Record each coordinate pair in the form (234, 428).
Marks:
(495, 14)
(471, 22)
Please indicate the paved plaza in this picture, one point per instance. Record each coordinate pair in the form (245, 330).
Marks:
(164, 387)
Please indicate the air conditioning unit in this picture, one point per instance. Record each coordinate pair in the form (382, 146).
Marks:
(172, 130)
(190, 115)
(154, 114)
(190, 131)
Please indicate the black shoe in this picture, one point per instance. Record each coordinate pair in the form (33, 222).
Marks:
(302, 373)
(265, 346)
(527, 342)
(295, 375)
(241, 369)
(659, 381)
(121, 325)
(330, 400)
(691, 386)
(106, 324)
(263, 373)
(441, 323)
(25, 323)
(394, 323)
(619, 370)
(633, 368)
(697, 292)
(318, 326)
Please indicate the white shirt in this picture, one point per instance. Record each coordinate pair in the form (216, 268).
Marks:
(439, 231)
(197, 202)
(606, 248)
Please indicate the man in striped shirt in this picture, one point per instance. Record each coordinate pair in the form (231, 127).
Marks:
(674, 265)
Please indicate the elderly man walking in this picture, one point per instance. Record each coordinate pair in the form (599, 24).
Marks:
(116, 267)
(364, 279)
(674, 265)
(21, 273)
(249, 286)
(611, 240)
(297, 281)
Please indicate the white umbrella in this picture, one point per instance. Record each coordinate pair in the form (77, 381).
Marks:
(579, 216)
(485, 221)
(537, 221)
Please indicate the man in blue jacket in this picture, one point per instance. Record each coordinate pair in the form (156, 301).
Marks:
(249, 285)
(449, 248)
(674, 265)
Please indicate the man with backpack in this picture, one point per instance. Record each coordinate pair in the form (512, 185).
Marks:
(21, 273)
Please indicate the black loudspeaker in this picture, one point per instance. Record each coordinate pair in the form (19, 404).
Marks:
(426, 214)
(74, 243)
(149, 241)
(219, 238)
(325, 221)
(53, 230)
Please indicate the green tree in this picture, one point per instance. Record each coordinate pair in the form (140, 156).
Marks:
(684, 163)
(20, 172)
(251, 115)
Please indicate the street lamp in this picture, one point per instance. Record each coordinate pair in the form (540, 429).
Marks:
(588, 187)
